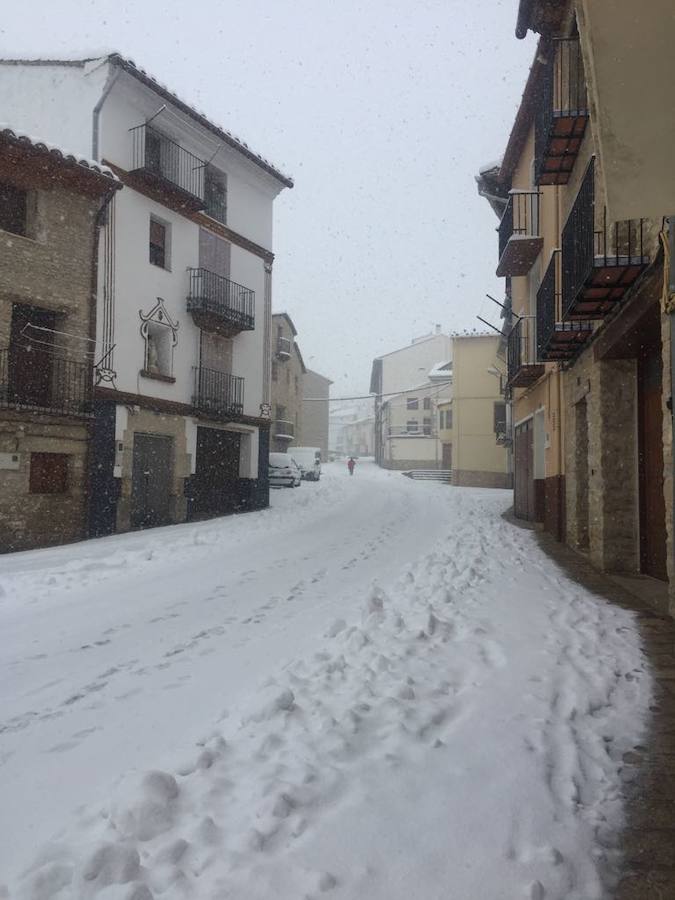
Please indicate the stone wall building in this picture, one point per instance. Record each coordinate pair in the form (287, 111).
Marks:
(315, 414)
(51, 209)
(288, 372)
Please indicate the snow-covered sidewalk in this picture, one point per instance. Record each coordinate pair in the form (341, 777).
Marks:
(379, 688)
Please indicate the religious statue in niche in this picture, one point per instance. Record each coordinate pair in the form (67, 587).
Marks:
(160, 334)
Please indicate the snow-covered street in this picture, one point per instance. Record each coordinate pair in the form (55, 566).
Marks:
(377, 688)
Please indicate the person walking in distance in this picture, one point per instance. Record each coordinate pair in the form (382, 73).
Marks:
(351, 462)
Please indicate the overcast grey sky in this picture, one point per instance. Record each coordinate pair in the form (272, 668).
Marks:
(382, 112)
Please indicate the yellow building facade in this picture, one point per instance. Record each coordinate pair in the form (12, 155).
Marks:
(472, 422)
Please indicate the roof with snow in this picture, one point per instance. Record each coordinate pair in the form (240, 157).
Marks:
(441, 370)
(284, 315)
(128, 65)
(57, 153)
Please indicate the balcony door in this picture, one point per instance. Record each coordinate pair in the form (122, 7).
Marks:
(215, 486)
(31, 355)
(214, 253)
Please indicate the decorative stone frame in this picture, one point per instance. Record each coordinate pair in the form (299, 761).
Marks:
(157, 323)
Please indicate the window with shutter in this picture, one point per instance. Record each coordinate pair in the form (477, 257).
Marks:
(159, 243)
(48, 473)
(13, 209)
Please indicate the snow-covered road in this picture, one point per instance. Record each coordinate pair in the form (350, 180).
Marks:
(454, 732)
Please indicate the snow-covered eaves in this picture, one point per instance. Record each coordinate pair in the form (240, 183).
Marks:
(284, 315)
(128, 65)
(441, 371)
(64, 157)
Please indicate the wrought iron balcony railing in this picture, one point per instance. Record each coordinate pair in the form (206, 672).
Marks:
(218, 304)
(600, 261)
(557, 339)
(284, 346)
(519, 239)
(57, 386)
(164, 162)
(284, 430)
(218, 394)
(561, 113)
(521, 356)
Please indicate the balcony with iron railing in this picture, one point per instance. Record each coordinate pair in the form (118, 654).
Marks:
(218, 304)
(561, 113)
(163, 163)
(218, 395)
(55, 386)
(556, 338)
(284, 346)
(521, 355)
(520, 241)
(284, 430)
(600, 260)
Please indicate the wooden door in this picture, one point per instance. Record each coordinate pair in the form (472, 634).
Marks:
(31, 349)
(650, 466)
(523, 453)
(447, 457)
(152, 474)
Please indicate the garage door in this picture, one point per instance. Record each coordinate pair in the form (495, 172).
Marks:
(215, 486)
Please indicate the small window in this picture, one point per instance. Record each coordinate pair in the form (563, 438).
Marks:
(159, 244)
(275, 372)
(412, 426)
(48, 473)
(412, 403)
(281, 412)
(426, 426)
(427, 402)
(13, 209)
(448, 418)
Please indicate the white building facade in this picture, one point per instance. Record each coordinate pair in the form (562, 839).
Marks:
(183, 296)
(407, 384)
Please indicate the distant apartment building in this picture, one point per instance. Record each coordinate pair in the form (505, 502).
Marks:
(472, 423)
(288, 372)
(358, 437)
(183, 324)
(315, 412)
(52, 206)
(407, 383)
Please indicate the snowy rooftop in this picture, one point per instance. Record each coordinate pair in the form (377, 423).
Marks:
(57, 152)
(128, 65)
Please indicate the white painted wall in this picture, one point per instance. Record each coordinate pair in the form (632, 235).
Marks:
(53, 103)
(408, 367)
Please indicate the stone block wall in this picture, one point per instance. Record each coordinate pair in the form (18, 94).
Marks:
(52, 269)
(609, 476)
(29, 520)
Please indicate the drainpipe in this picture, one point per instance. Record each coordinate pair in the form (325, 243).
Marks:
(669, 274)
(95, 142)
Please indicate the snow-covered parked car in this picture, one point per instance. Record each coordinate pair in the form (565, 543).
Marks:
(309, 460)
(283, 471)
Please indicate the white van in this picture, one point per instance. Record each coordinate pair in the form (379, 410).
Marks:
(309, 460)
